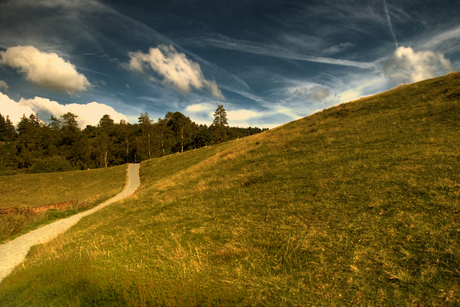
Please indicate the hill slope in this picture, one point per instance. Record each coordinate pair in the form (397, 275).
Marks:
(79, 189)
(355, 205)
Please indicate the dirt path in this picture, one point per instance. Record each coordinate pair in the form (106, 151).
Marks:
(14, 252)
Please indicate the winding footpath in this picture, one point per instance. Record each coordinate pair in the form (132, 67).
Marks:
(14, 252)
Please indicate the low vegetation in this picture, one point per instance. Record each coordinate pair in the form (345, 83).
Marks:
(355, 205)
(80, 190)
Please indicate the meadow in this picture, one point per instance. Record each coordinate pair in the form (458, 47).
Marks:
(81, 189)
(356, 205)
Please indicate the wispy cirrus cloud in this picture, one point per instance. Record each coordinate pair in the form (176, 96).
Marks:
(337, 48)
(446, 39)
(224, 42)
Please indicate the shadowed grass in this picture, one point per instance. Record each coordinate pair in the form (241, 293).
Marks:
(355, 205)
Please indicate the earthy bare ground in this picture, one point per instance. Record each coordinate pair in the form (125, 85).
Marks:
(14, 252)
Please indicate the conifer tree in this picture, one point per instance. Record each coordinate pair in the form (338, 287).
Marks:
(220, 125)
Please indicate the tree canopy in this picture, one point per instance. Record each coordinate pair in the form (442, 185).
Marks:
(37, 146)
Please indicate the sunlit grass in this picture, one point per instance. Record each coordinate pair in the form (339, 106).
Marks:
(30, 190)
(81, 189)
(355, 205)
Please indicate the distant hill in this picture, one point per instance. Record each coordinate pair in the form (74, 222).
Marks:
(356, 205)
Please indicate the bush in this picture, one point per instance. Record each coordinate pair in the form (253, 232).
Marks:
(51, 164)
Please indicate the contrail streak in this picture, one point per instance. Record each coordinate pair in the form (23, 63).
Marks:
(389, 22)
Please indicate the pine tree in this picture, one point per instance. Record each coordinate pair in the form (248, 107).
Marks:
(220, 125)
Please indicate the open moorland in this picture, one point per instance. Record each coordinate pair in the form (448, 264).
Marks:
(355, 205)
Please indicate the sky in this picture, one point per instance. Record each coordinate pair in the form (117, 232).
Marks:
(268, 62)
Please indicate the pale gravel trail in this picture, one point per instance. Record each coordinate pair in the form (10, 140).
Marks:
(14, 252)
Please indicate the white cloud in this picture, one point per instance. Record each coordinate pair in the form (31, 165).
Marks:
(48, 70)
(13, 109)
(242, 115)
(174, 68)
(88, 114)
(407, 65)
(4, 85)
(201, 108)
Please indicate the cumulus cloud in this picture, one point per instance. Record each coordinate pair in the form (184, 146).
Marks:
(173, 68)
(47, 70)
(13, 109)
(407, 65)
(88, 114)
(4, 85)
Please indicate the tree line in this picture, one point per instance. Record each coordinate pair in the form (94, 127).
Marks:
(61, 145)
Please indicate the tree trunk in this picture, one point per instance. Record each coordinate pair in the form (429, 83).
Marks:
(162, 144)
(127, 150)
(149, 146)
(182, 139)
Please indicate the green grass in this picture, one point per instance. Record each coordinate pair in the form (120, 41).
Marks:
(83, 188)
(30, 190)
(356, 205)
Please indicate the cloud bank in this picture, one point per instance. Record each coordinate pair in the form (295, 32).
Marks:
(174, 68)
(47, 70)
(88, 114)
(407, 65)
(13, 109)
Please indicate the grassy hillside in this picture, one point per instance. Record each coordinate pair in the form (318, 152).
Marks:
(30, 190)
(82, 188)
(355, 205)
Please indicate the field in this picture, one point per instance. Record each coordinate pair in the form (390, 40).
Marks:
(355, 205)
(83, 189)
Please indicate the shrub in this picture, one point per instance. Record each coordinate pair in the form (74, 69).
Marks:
(51, 164)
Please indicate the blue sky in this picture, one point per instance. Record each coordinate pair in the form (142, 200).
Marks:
(268, 62)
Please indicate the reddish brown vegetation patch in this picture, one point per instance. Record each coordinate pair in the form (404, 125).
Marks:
(36, 210)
